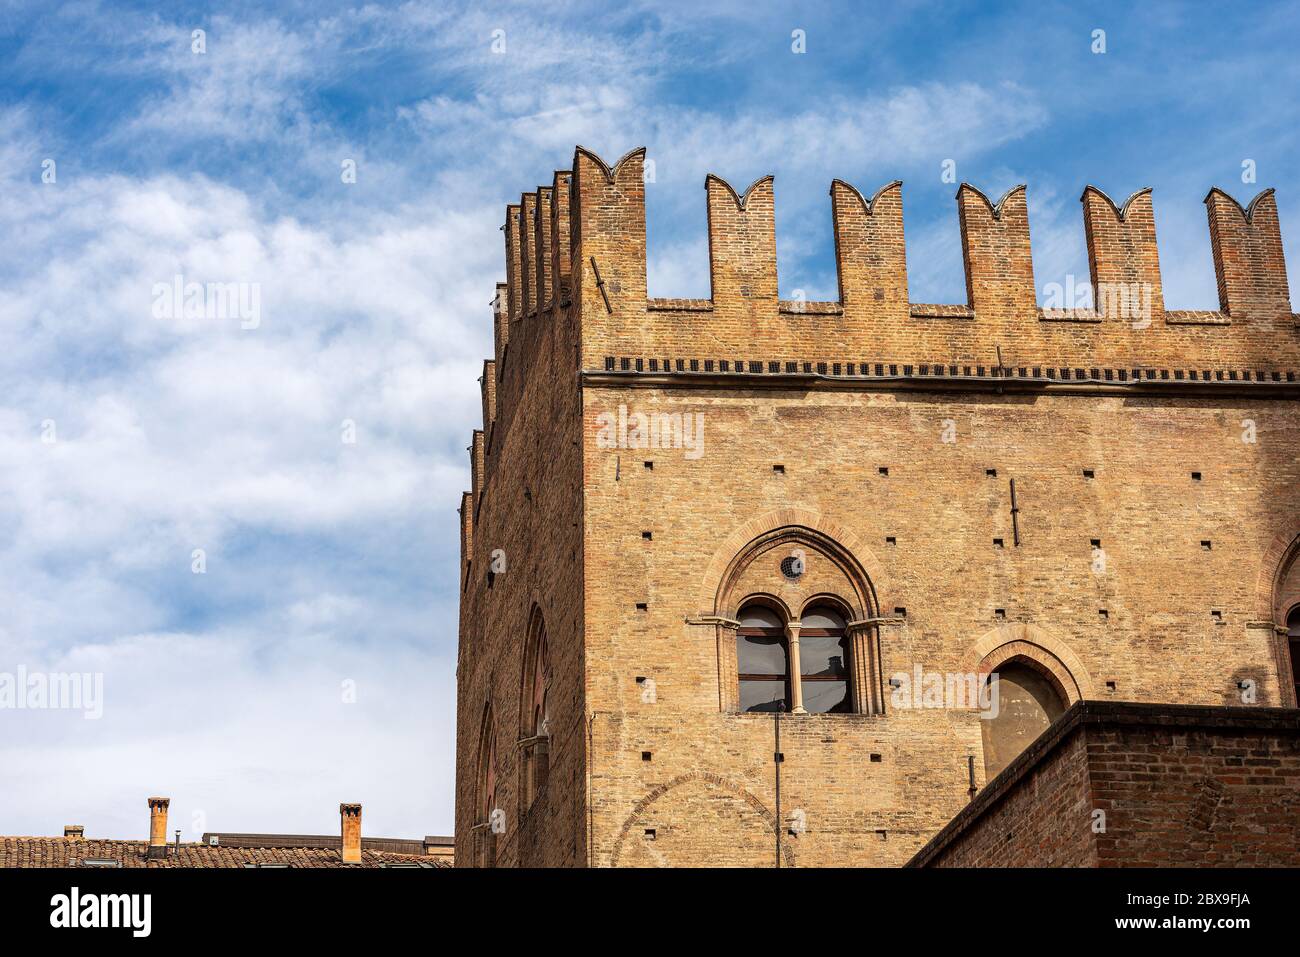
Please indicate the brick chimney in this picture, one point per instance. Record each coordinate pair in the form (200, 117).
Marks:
(158, 827)
(350, 819)
(75, 832)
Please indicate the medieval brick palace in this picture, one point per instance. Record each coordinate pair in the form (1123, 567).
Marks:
(697, 525)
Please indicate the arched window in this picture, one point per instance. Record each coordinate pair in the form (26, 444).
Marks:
(1293, 639)
(538, 725)
(535, 730)
(824, 661)
(762, 660)
(1027, 701)
(767, 646)
(486, 821)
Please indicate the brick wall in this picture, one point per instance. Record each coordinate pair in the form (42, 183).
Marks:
(530, 504)
(1125, 785)
(900, 484)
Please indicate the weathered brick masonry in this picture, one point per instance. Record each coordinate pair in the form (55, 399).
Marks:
(1151, 785)
(1146, 551)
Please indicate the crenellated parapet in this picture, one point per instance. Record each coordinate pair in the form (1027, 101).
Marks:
(514, 273)
(1122, 250)
(529, 263)
(576, 252)
(608, 244)
(1248, 259)
(561, 266)
(477, 465)
(466, 511)
(488, 387)
(742, 250)
(870, 255)
(996, 252)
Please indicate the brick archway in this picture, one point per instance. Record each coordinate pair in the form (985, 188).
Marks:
(1033, 643)
(1277, 593)
(836, 570)
(1282, 554)
(713, 581)
(710, 781)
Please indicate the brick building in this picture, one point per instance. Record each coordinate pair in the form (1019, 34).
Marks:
(1160, 785)
(347, 849)
(695, 525)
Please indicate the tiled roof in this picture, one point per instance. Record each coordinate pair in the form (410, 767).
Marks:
(65, 852)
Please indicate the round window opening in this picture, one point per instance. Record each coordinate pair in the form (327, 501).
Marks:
(792, 567)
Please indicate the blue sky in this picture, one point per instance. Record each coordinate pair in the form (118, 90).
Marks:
(332, 562)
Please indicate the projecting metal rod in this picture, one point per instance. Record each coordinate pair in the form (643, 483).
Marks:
(600, 284)
(1015, 515)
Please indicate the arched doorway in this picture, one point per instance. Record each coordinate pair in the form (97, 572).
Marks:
(1028, 700)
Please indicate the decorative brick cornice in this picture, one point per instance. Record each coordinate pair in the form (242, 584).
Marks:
(668, 371)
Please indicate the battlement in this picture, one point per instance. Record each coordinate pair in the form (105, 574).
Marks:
(587, 230)
(576, 253)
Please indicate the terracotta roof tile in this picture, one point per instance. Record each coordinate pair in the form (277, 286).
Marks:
(65, 852)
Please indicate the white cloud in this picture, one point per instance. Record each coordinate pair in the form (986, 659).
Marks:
(223, 689)
(174, 434)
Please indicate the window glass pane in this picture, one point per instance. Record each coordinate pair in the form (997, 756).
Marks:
(762, 696)
(760, 616)
(824, 656)
(760, 655)
(824, 697)
(823, 616)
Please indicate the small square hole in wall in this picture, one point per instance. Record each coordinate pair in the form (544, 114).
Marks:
(997, 543)
(1110, 686)
(778, 469)
(900, 612)
(1196, 476)
(640, 679)
(884, 470)
(991, 473)
(881, 835)
(642, 606)
(1095, 542)
(1000, 614)
(891, 540)
(1216, 615)
(646, 755)
(1089, 473)
(875, 759)
(650, 466)
(647, 535)
(650, 834)
(1205, 544)
(1103, 613)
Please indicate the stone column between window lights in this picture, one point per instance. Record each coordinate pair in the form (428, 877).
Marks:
(796, 680)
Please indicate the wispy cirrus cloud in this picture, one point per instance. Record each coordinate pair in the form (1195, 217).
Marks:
(327, 561)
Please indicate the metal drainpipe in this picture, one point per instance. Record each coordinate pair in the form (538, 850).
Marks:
(776, 758)
(591, 812)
